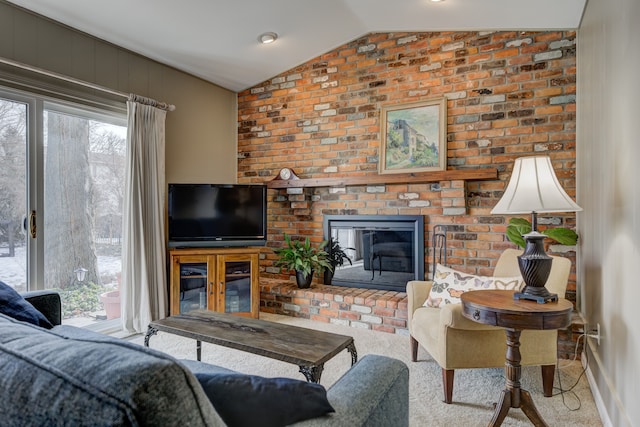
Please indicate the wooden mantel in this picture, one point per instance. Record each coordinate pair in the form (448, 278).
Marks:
(410, 178)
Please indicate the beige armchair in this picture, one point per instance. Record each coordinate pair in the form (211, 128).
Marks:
(456, 342)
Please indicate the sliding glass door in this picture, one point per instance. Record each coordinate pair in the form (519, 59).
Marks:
(13, 192)
(68, 204)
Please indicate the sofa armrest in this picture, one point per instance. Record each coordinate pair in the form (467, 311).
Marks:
(47, 303)
(374, 392)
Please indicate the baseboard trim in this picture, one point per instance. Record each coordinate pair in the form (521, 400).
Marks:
(595, 391)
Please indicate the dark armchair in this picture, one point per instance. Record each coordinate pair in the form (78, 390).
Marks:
(47, 303)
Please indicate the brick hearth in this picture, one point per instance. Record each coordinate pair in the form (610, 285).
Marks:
(356, 307)
(378, 310)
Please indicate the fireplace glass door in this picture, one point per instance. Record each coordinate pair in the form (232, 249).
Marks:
(382, 254)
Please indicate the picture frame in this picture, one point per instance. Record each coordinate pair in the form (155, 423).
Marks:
(413, 137)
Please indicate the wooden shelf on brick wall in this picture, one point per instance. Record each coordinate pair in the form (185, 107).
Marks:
(448, 175)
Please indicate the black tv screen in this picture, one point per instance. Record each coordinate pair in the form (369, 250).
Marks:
(213, 215)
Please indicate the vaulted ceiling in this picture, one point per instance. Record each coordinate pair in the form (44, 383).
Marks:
(217, 40)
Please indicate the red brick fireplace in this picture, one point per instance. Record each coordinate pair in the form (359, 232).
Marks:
(509, 94)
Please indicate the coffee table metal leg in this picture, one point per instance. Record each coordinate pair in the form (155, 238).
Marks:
(312, 373)
(354, 354)
(198, 350)
(150, 331)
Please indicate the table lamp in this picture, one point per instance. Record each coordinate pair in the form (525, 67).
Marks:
(534, 188)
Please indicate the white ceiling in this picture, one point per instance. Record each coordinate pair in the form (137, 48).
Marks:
(216, 40)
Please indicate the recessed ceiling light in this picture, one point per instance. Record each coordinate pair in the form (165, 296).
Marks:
(436, 1)
(267, 38)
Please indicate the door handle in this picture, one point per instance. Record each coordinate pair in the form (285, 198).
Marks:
(32, 225)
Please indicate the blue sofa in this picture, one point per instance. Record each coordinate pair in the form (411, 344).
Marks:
(70, 376)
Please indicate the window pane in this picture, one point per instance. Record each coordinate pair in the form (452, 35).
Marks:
(13, 209)
(83, 198)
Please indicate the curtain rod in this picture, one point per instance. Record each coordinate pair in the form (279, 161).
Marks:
(161, 105)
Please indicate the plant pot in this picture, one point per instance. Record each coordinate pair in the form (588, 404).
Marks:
(304, 281)
(328, 276)
(111, 302)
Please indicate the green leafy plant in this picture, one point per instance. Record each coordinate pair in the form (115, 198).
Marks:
(78, 298)
(337, 255)
(518, 227)
(302, 257)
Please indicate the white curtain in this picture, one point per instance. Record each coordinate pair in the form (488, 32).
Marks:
(143, 289)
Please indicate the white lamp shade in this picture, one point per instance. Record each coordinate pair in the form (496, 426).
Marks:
(534, 187)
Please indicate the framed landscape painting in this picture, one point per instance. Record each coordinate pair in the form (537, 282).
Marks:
(414, 137)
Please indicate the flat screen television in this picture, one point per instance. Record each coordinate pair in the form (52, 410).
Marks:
(217, 215)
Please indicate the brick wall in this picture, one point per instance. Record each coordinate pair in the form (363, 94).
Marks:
(509, 94)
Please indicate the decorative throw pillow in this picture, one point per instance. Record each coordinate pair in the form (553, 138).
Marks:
(245, 400)
(449, 284)
(13, 305)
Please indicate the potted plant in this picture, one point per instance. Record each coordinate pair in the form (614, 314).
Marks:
(302, 258)
(337, 257)
(518, 227)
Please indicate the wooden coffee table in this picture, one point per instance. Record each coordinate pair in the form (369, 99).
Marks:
(307, 348)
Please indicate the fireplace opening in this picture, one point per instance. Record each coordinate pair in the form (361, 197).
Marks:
(386, 251)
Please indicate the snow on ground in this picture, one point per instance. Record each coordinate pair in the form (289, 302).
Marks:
(13, 270)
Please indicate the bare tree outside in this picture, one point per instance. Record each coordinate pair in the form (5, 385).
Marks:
(12, 180)
(12, 153)
(84, 186)
(68, 190)
(107, 154)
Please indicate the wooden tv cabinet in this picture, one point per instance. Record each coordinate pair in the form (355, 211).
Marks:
(223, 280)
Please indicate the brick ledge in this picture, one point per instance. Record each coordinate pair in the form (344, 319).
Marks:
(364, 308)
(378, 310)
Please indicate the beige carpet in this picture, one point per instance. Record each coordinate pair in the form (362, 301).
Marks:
(475, 390)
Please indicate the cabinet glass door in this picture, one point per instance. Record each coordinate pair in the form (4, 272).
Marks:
(193, 286)
(237, 277)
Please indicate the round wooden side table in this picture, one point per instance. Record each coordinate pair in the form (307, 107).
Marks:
(498, 308)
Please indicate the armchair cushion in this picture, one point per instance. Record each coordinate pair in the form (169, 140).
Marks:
(14, 305)
(449, 284)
